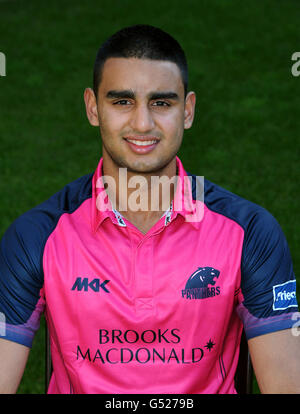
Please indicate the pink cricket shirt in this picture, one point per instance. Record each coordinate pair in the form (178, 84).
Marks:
(154, 313)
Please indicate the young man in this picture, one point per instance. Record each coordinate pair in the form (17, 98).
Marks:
(149, 300)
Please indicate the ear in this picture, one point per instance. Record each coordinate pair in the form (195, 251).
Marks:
(189, 111)
(91, 106)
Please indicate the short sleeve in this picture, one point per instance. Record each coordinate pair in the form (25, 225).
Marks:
(21, 281)
(268, 283)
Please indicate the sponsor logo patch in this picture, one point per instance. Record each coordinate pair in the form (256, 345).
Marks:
(284, 295)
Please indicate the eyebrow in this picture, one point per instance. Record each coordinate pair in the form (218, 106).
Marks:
(129, 94)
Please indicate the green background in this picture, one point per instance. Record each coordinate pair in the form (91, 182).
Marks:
(245, 135)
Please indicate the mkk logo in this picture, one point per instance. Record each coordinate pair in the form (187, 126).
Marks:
(284, 295)
(197, 286)
(95, 285)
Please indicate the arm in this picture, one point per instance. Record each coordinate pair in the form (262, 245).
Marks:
(21, 299)
(268, 306)
(13, 358)
(276, 362)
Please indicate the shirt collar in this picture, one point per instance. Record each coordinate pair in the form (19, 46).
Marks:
(188, 199)
(183, 203)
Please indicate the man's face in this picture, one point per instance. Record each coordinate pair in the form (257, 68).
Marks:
(141, 112)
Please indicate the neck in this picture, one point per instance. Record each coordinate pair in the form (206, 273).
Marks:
(146, 195)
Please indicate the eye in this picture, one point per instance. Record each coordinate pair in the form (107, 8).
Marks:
(122, 102)
(161, 103)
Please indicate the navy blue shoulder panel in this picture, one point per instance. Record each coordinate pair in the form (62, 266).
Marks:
(22, 246)
(228, 204)
(267, 279)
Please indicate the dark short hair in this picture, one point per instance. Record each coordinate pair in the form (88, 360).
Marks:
(143, 42)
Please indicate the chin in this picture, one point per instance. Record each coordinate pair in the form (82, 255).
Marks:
(146, 167)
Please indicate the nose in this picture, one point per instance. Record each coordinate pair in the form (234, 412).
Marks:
(142, 119)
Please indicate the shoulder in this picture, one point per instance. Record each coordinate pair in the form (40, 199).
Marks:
(66, 200)
(262, 231)
(26, 236)
(245, 212)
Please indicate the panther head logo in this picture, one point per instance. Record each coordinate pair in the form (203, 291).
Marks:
(202, 277)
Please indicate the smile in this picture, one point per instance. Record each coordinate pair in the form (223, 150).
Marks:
(142, 146)
(142, 143)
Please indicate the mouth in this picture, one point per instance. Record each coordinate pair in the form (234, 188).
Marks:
(142, 145)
